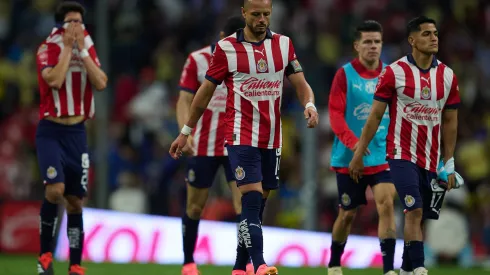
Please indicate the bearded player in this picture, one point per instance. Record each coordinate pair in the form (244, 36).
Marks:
(351, 97)
(206, 145)
(68, 72)
(423, 97)
(252, 63)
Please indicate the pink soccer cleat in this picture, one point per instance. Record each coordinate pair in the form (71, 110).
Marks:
(266, 270)
(250, 269)
(190, 269)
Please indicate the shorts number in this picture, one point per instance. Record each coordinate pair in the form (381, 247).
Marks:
(278, 162)
(85, 167)
(436, 198)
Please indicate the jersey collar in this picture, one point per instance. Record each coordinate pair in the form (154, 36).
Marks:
(240, 36)
(432, 65)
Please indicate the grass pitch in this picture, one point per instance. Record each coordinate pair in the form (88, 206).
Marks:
(26, 265)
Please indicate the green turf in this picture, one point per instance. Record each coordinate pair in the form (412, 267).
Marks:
(25, 265)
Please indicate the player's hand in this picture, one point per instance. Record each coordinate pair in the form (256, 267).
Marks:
(189, 147)
(312, 116)
(69, 36)
(177, 146)
(366, 153)
(80, 36)
(451, 181)
(356, 167)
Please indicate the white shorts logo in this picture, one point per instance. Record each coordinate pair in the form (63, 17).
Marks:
(409, 201)
(51, 173)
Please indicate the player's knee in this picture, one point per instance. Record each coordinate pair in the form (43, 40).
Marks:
(54, 192)
(74, 205)
(348, 216)
(194, 210)
(414, 216)
(385, 207)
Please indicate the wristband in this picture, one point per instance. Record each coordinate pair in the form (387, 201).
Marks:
(310, 104)
(186, 130)
(449, 166)
(84, 53)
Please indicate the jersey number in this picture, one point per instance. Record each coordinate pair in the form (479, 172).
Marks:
(278, 162)
(436, 198)
(85, 167)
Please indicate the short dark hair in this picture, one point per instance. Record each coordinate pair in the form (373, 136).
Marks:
(66, 7)
(414, 24)
(233, 24)
(367, 26)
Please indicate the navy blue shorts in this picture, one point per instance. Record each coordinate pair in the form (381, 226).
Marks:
(352, 194)
(417, 188)
(201, 170)
(252, 165)
(62, 155)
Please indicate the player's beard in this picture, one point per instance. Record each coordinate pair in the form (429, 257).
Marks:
(256, 30)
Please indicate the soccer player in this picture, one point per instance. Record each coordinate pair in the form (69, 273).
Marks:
(252, 63)
(423, 96)
(351, 97)
(207, 146)
(68, 71)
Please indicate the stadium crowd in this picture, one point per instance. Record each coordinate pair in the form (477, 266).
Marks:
(148, 43)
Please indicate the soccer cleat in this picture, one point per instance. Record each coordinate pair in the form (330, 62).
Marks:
(266, 270)
(190, 269)
(76, 270)
(45, 264)
(420, 271)
(250, 269)
(337, 270)
(403, 272)
(391, 273)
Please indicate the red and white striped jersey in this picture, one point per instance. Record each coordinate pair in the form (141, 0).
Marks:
(416, 100)
(75, 97)
(253, 74)
(209, 133)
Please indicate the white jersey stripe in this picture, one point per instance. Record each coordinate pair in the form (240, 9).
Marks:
(57, 103)
(398, 120)
(69, 93)
(251, 58)
(284, 45)
(255, 124)
(212, 133)
(428, 144)
(238, 116)
(83, 84)
(92, 106)
(270, 57)
(413, 143)
(197, 135)
(272, 116)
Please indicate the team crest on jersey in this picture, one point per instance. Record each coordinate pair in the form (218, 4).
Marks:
(51, 173)
(191, 175)
(425, 93)
(345, 200)
(409, 200)
(370, 87)
(239, 173)
(262, 66)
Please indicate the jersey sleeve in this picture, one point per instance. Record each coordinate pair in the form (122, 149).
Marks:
(453, 99)
(336, 105)
(218, 69)
(93, 54)
(188, 78)
(385, 89)
(47, 55)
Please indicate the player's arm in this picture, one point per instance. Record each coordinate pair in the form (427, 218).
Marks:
(337, 103)
(294, 73)
(200, 102)
(53, 70)
(188, 85)
(96, 75)
(450, 129)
